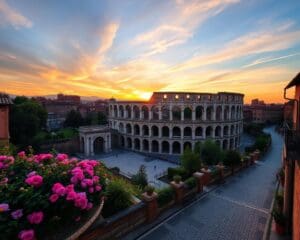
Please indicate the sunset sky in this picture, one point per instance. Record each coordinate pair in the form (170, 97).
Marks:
(129, 48)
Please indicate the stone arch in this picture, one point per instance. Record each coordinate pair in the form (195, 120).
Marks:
(99, 145)
(145, 145)
(129, 143)
(187, 112)
(128, 111)
(187, 132)
(209, 113)
(176, 113)
(165, 112)
(122, 141)
(121, 127)
(115, 111)
(218, 131)
(199, 132)
(209, 131)
(145, 130)
(187, 145)
(219, 113)
(128, 128)
(155, 113)
(176, 132)
(226, 131)
(199, 112)
(136, 129)
(154, 131)
(176, 148)
(136, 112)
(121, 111)
(165, 131)
(155, 146)
(232, 130)
(231, 144)
(232, 112)
(137, 144)
(165, 147)
(145, 112)
(226, 113)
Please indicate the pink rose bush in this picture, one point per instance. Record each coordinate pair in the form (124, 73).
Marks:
(37, 190)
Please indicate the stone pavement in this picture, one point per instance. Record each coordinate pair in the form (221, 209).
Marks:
(130, 162)
(237, 210)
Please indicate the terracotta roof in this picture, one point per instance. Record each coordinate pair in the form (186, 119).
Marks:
(295, 81)
(5, 99)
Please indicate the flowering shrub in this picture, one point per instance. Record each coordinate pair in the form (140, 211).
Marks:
(40, 192)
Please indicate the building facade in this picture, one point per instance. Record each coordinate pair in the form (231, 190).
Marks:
(171, 121)
(5, 101)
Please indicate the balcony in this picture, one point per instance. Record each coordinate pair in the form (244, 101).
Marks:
(292, 144)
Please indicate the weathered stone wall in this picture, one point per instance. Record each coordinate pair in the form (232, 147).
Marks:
(296, 208)
(69, 146)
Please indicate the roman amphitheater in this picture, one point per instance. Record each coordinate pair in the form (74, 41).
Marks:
(171, 121)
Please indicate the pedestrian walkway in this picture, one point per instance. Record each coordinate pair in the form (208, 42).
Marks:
(237, 210)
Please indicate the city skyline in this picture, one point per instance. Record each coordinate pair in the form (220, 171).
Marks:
(130, 49)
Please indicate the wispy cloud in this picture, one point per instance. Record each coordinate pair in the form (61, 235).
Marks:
(179, 24)
(10, 16)
(253, 43)
(269, 59)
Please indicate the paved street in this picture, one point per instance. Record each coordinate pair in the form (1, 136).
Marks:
(237, 210)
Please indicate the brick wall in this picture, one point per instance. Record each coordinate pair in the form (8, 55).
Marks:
(118, 225)
(296, 207)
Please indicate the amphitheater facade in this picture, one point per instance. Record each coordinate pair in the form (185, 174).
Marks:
(171, 121)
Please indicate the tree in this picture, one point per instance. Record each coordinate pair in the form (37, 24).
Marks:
(232, 158)
(140, 178)
(198, 148)
(102, 119)
(211, 153)
(27, 118)
(190, 161)
(73, 119)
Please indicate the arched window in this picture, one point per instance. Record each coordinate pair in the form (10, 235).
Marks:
(128, 111)
(145, 145)
(199, 132)
(145, 130)
(187, 114)
(154, 131)
(219, 113)
(165, 113)
(136, 129)
(176, 148)
(165, 147)
(199, 113)
(145, 112)
(128, 128)
(121, 111)
(209, 113)
(136, 112)
(225, 131)
(187, 132)
(208, 131)
(155, 147)
(137, 144)
(165, 131)
(218, 131)
(226, 113)
(176, 112)
(176, 132)
(155, 113)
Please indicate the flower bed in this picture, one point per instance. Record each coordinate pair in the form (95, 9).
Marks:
(40, 194)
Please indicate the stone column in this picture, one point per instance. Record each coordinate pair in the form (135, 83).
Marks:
(213, 117)
(199, 178)
(92, 147)
(159, 114)
(150, 115)
(182, 114)
(193, 114)
(204, 113)
(179, 191)
(151, 206)
(170, 113)
(171, 147)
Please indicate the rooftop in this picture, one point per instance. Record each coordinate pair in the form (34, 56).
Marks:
(295, 81)
(5, 99)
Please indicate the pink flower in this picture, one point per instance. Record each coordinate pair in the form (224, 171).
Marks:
(89, 206)
(21, 154)
(53, 198)
(81, 200)
(4, 207)
(61, 157)
(91, 189)
(98, 188)
(26, 235)
(74, 179)
(35, 217)
(17, 214)
(59, 189)
(35, 180)
(71, 195)
(96, 179)
(77, 219)
(4, 181)
(70, 188)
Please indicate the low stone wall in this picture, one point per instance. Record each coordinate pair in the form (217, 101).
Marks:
(70, 146)
(118, 225)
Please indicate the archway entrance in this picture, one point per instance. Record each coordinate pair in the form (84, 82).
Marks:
(99, 145)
